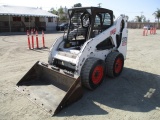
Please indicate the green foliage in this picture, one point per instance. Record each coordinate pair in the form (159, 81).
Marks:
(127, 17)
(60, 11)
(77, 5)
(140, 18)
(52, 10)
(63, 18)
(144, 19)
(157, 14)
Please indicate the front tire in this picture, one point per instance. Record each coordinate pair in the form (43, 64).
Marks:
(92, 73)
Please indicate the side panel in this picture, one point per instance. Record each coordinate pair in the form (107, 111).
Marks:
(123, 34)
(53, 49)
(123, 46)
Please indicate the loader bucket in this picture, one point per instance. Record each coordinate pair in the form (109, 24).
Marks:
(50, 87)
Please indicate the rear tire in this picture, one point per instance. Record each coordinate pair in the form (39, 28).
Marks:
(114, 64)
(92, 73)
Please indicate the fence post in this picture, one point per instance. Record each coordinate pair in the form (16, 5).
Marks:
(32, 38)
(146, 31)
(29, 45)
(143, 31)
(150, 30)
(43, 39)
(37, 40)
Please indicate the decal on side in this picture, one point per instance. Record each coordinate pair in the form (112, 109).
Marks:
(124, 41)
(113, 31)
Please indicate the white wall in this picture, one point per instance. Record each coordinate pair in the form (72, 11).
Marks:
(51, 25)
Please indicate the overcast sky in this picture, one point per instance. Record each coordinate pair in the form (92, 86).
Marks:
(131, 8)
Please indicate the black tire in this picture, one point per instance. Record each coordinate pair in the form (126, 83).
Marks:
(93, 73)
(114, 64)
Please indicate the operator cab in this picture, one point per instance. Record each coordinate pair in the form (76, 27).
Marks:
(88, 22)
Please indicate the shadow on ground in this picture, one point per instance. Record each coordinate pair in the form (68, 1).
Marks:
(133, 90)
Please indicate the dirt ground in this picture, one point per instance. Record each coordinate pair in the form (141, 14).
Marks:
(135, 94)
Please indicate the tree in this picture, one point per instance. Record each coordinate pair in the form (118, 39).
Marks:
(144, 19)
(157, 15)
(52, 10)
(63, 18)
(60, 13)
(148, 20)
(139, 18)
(127, 17)
(99, 5)
(77, 5)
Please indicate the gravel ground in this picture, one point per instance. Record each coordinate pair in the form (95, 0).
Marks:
(135, 94)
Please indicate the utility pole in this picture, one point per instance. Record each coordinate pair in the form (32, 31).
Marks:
(99, 5)
(142, 17)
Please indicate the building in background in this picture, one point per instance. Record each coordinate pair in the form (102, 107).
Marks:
(18, 18)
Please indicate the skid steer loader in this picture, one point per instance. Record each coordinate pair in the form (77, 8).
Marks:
(83, 56)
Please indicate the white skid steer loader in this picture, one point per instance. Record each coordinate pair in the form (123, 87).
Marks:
(83, 56)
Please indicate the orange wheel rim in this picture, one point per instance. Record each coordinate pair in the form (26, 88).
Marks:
(118, 65)
(97, 74)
